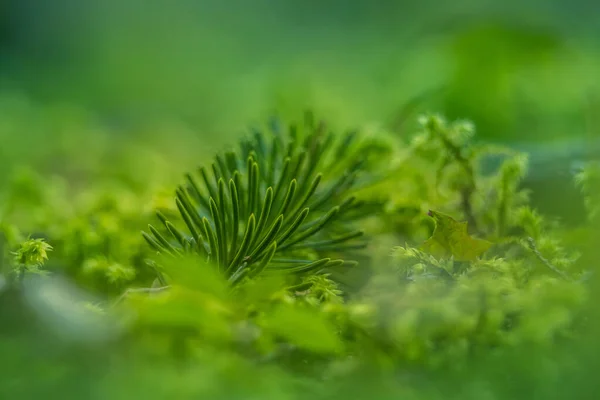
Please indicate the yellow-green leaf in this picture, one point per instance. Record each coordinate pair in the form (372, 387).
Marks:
(451, 238)
(307, 329)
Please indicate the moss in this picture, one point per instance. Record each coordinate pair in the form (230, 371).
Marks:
(243, 288)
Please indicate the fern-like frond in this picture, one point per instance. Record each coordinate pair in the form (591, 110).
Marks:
(283, 193)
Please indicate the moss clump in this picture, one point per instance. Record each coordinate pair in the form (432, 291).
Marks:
(249, 272)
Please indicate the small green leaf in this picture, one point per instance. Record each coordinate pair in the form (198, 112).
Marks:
(212, 240)
(450, 238)
(154, 243)
(176, 233)
(186, 218)
(189, 207)
(269, 237)
(265, 260)
(248, 235)
(314, 228)
(289, 196)
(235, 221)
(221, 241)
(161, 239)
(264, 213)
(294, 227)
(209, 187)
(313, 266)
(195, 191)
(282, 177)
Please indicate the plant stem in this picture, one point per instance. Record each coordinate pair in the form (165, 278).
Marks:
(544, 260)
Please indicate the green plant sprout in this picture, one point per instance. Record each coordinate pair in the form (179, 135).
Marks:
(269, 208)
(30, 257)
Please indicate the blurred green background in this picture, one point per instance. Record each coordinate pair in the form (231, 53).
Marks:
(525, 72)
(518, 69)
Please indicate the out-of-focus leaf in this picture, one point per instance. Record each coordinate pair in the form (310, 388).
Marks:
(194, 274)
(450, 238)
(305, 329)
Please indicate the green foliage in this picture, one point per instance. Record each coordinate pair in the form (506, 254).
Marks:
(588, 179)
(269, 208)
(431, 310)
(444, 169)
(241, 291)
(30, 257)
(451, 238)
(452, 296)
